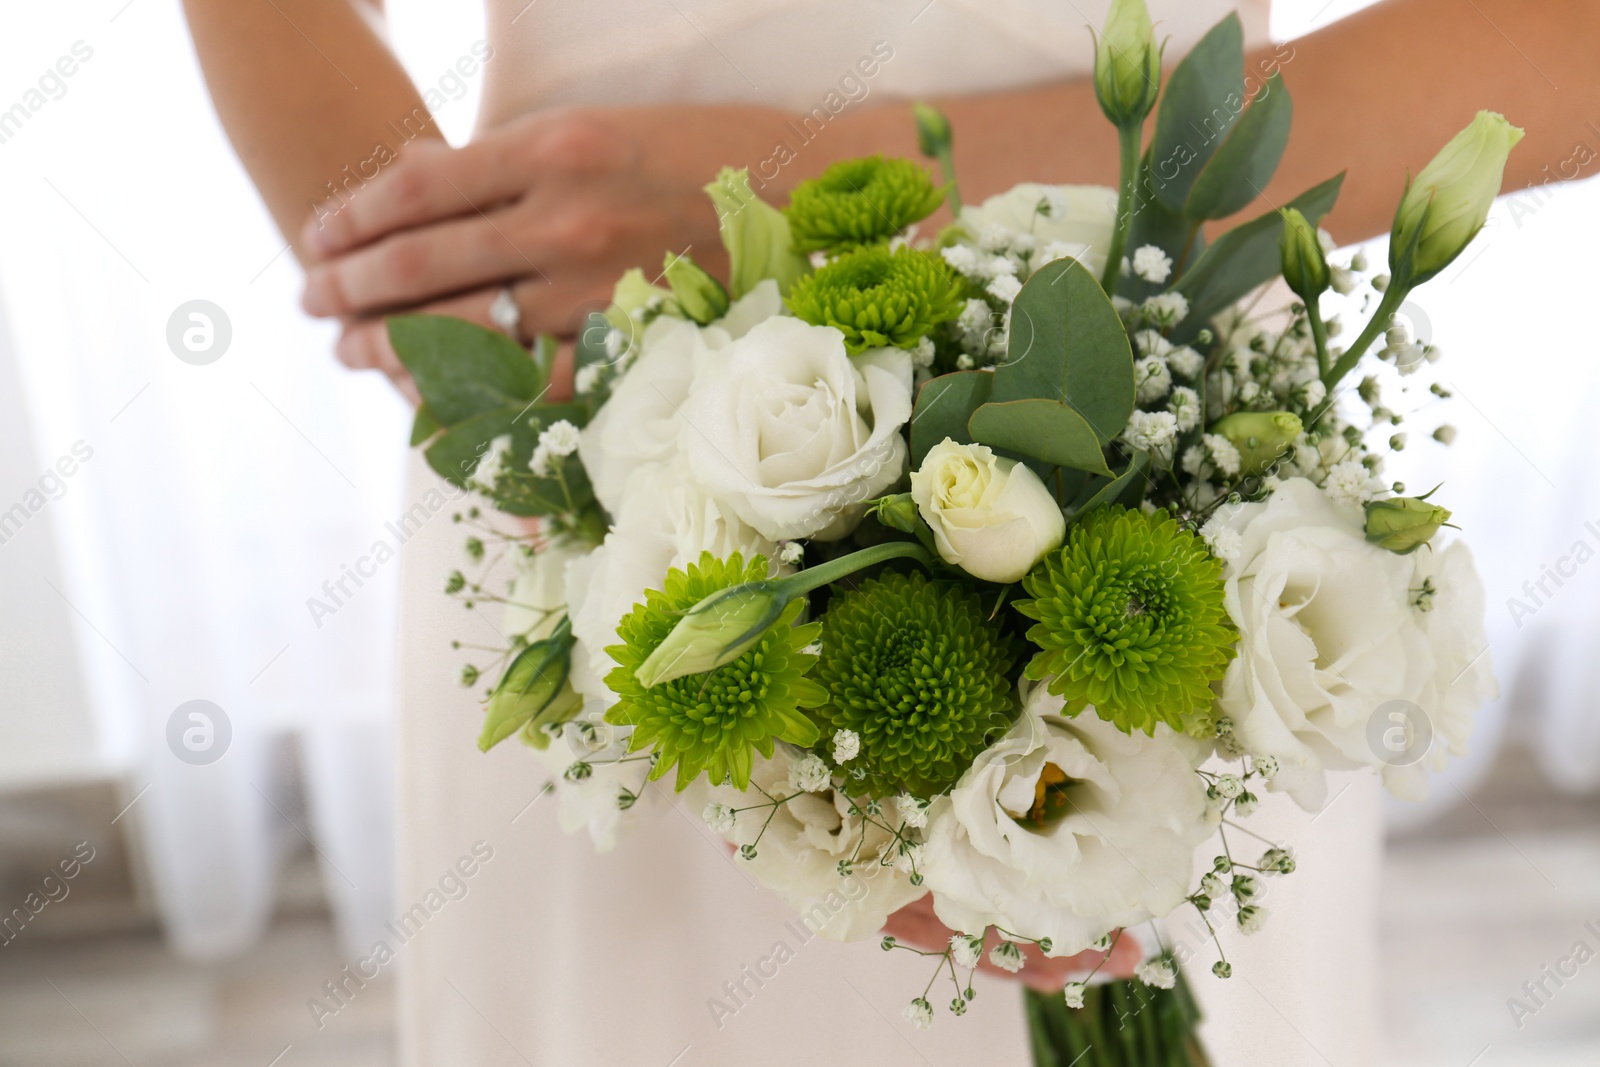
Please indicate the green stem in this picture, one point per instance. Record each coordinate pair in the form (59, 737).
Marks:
(1319, 334)
(1128, 139)
(822, 574)
(1392, 299)
(947, 164)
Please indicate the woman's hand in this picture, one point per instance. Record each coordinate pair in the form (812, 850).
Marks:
(916, 925)
(555, 205)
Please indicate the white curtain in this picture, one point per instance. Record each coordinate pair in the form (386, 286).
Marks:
(217, 499)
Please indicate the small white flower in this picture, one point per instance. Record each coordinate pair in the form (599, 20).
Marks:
(492, 464)
(560, 438)
(1224, 456)
(846, 745)
(965, 362)
(818, 260)
(1350, 483)
(964, 950)
(1229, 785)
(1225, 542)
(1151, 431)
(1185, 407)
(1166, 309)
(913, 812)
(908, 859)
(1249, 391)
(1152, 378)
(539, 462)
(719, 817)
(1246, 805)
(919, 1013)
(1151, 264)
(1005, 288)
(976, 317)
(962, 259)
(1023, 243)
(999, 267)
(1211, 885)
(1054, 250)
(922, 355)
(994, 237)
(1053, 203)
(586, 379)
(616, 343)
(1074, 995)
(792, 552)
(1266, 766)
(1186, 361)
(1251, 918)
(1157, 973)
(1151, 343)
(810, 774)
(1006, 956)
(1313, 393)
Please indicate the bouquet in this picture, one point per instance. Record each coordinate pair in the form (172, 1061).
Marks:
(1007, 564)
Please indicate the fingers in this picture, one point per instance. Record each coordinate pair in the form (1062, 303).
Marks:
(429, 182)
(415, 266)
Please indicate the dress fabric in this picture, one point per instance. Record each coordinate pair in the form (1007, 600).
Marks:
(663, 953)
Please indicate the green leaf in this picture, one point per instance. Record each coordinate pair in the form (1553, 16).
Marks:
(1044, 429)
(1068, 345)
(1243, 258)
(1202, 101)
(1113, 491)
(1155, 224)
(1246, 159)
(423, 425)
(455, 453)
(944, 404)
(462, 369)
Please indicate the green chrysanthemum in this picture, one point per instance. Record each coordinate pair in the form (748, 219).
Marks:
(920, 673)
(714, 722)
(878, 298)
(858, 202)
(1130, 620)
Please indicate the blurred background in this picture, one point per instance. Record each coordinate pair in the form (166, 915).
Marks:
(195, 701)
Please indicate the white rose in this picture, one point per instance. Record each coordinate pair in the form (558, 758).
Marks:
(638, 424)
(991, 517)
(791, 433)
(1331, 631)
(1122, 854)
(798, 857)
(1084, 226)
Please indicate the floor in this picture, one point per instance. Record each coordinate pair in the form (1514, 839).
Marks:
(1478, 905)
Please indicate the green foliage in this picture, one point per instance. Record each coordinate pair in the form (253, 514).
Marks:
(859, 202)
(920, 672)
(714, 722)
(878, 298)
(1129, 618)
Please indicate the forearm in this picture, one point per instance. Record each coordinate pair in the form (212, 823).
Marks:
(1376, 94)
(310, 95)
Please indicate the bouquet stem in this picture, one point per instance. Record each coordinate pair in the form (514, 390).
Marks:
(1121, 1024)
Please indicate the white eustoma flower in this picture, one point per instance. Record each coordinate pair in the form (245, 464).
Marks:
(991, 517)
(639, 424)
(1331, 636)
(801, 848)
(791, 433)
(1079, 217)
(1121, 854)
(598, 796)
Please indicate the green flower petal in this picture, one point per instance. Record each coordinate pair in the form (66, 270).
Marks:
(860, 202)
(878, 298)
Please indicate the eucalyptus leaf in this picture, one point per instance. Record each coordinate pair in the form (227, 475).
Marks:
(461, 369)
(1068, 345)
(1114, 491)
(1243, 258)
(1246, 159)
(1156, 224)
(456, 452)
(944, 404)
(1203, 99)
(423, 425)
(1046, 430)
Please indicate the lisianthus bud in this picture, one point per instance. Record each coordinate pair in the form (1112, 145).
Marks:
(898, 512)
(1260, 436)
(716, 631)
(991, 517)
(1127, 64)
(755, 234)
(701, 296)
(533, 692)
(933, 130)
(1304, 266)
(1447, 203)
(1403, 524)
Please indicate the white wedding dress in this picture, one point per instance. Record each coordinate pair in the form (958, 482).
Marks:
(663, 953)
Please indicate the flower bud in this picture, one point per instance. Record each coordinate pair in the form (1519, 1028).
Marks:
(933, 130)
(898, 512)
(716, 631)
(1403, 524)
(534, 692)
(1260, 436)
(1447, 203)
(991, 517)
(1304, 266)
(701, 296)
(755, 234)
(1127, 64)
